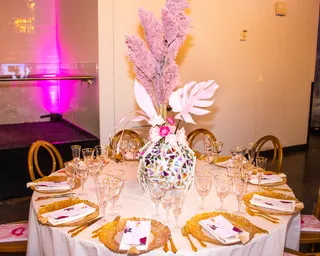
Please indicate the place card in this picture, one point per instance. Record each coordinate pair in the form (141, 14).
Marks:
(68, 214)
(52, 186)
(14, 232)
(136, 233)
(224, 231)
(265, 179)
(273, 203)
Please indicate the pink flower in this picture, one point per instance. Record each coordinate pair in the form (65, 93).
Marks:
(170, 120)
(164, 131)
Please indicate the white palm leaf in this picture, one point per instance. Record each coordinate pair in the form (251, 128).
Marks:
(192, 98)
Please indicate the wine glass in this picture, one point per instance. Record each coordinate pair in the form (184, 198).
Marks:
(123, 146)
(178, 195)
(234, 172)
(133, 147)
(76, 149)
(166, 201)
(203, 184)
(101, 188)
(156, 192)
(223, 186)
(217, 147)
(94, 168)
(88, 154)
(82, 174)
(238, 153)
(208, 148)
(117, 174)
(251, 152)
(241, 188)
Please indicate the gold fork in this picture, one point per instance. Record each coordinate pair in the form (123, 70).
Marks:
(252, 213)
(272, 189)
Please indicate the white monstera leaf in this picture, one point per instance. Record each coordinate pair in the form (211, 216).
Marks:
(191, 99)
(143, 100)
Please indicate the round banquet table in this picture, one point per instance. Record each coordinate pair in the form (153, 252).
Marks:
(45, 240)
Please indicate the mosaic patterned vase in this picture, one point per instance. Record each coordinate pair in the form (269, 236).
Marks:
(173, 162)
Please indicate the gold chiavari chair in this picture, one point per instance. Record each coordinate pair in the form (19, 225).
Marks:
(198, 132)
(290, 252)
(33, 158)
(121, 134)
(15, 246)
(307, 237)
(277, 150)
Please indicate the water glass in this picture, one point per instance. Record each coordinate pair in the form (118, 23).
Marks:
(234, 172)
(203, 184)
(71, 174)
(88, 154)
(117, 174)
(94, 168)
(166, 201)
(241, 188)
(261, 162)
(113, 185)
(82, 174)
(101, 188)
(208, 147)
(223, 187)
(238, 153)
(76, 149)
(101, 151)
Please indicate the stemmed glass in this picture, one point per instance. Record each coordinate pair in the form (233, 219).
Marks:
(123, 146)
(177, 204)
(234, 172)
(203, 184)
(71, 175)
(217, 147)
(251, 152)
(117, 174)
(166, 201)
(88, 154)
(223, 186)
(76, 149)
(156, 192)
(261, 163)
(82, 174)
(114, 185)
(133, 147)
(101, 188)
(238, 153)
(241, 188)
(208, 148)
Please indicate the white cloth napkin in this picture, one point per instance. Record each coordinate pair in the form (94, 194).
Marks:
(69, 214)
(265, 179)
(223, 230)
(273, 203)
(13, 232)
(49, 185)
(136, 233)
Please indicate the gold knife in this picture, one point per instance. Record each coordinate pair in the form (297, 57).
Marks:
(173, 247)
(79, 229)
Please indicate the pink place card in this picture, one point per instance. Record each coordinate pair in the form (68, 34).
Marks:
(13, 232)
(310, 223)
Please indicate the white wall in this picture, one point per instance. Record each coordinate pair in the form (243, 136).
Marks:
(264, 82)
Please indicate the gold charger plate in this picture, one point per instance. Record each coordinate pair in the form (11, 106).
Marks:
(56, 179)
(274, 184)
(111, 234)
(221, 159)
(197, 231)
(63, 204)
(271, 194)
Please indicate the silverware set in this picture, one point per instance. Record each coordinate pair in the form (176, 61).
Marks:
(74, 232)
(55, 196)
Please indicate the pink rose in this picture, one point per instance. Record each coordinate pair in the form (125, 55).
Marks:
(164, 131)
(170, 120)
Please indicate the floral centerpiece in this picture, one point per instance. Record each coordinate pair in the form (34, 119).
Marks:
(167, 154)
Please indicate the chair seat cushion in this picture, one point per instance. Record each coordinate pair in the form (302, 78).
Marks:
(309, 223)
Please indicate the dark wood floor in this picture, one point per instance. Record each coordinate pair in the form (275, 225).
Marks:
(302, 169)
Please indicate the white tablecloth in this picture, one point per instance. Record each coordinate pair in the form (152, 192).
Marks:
(44, 240)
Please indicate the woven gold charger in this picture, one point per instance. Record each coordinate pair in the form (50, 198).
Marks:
(56, 179)
(197, 231)
(284, 180)
(221, 159)
(63, 204)
(111, 234)
(247, 198)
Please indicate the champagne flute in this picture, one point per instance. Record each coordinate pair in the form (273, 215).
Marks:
(156, 192)
(71, 174)
(203, 184)
(251, 152)
(223, 186)
(101, 189)
(261, 163)
(241, 188)
(88, 154)
(208, 148)
(234, 172)
(178, 200)
(82, 174)
(217, 148)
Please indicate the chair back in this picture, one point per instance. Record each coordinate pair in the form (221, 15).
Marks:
(33, 158)
(200, 131)
(277, 150)
(317, 206)
(120, 134)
